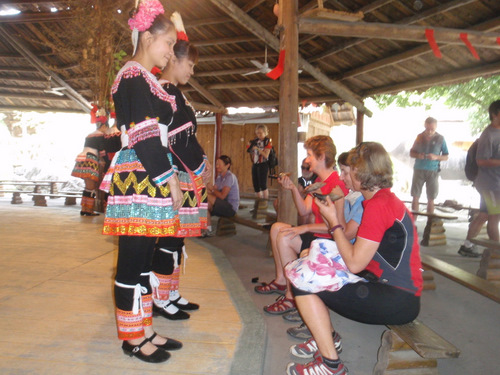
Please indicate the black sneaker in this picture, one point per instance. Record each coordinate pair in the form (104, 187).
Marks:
(468, 252)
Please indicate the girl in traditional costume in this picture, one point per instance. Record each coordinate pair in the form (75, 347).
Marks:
(191, 165)
(144, 190)
(87, 162)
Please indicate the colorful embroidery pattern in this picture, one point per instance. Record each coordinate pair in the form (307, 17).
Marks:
(86, 166)
(143, 130)
(147, 307)
(129, 325)
(133, 69)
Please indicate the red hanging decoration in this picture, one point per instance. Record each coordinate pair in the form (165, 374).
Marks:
(93, 112)
(278, 70)
(429, 34)
(465, 39)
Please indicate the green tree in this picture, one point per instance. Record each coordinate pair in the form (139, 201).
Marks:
(475, 96)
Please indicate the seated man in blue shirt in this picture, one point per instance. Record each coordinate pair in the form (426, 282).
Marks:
(224, 196)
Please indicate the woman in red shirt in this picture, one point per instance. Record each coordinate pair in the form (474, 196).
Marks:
(386, 254)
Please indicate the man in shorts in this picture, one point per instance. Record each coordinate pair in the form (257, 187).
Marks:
(488, 178)
(429, 150)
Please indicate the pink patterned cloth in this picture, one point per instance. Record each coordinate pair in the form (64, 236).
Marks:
(146, 14)
(322, 269)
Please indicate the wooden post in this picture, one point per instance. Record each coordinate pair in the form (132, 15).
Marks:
(360, 121)
(218, 134)
(289, 104)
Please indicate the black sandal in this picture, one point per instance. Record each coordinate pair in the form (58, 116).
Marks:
(159, 355)
(171, 344)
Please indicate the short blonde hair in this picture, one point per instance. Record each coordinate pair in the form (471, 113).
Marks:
(263, 127)
(322, 145)
(372, 165)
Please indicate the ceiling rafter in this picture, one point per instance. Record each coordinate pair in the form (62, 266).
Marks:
(253, 26)
(432, 12)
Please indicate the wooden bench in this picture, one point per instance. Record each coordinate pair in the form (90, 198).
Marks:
(16, 191)
(434, 232)
(489, 267)
(412, 348)
(39, 198)
(467, 279)
(16, 195)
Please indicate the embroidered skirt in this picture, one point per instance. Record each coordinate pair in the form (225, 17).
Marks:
(138, 207)
(86, 167)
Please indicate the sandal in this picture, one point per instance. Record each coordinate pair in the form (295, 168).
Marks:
(270, 288)
(281, 306)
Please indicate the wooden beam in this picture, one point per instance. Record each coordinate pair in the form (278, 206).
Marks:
(23, 79)
(218, 135)
(37, 17)
(20, 47)
(396, 32)
(207, 107)
(253, 26)
(23, 88)
(10, 56)
(55, 98)
(275, 103)
(249, 84)
(438, 79)
(253, 4)
(235, 56)
(489, 25)
(9, 108)
(20, 69)
(360, 124)
(207, 21)
(215, 42)
(19, 2)
(228, 72)
(289, 106)
(207, 94)
(405, 21)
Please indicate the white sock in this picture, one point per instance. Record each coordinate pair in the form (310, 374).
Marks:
(468, 244)
(209, 228)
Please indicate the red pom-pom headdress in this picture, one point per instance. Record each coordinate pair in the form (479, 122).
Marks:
(179, 26)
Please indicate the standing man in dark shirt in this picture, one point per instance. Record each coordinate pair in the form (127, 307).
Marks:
(429, 150)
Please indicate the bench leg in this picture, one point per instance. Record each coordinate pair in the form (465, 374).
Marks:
(225, 227)
(428, 277)
(40, 200)
(395, 357)
(489, 267)
(434, 233)
(16, 198)
(70, 201)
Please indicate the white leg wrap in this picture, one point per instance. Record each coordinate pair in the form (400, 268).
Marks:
(138, 291)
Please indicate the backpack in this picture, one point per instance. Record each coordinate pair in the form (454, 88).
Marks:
(471, 169)
(272, 159)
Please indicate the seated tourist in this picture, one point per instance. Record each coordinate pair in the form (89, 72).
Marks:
(386, 254)
(224, 196)
(288, 241)
(353, 212)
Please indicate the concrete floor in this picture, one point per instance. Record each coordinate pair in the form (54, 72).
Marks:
(51, 257)
(465, 318)
(57, 312)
